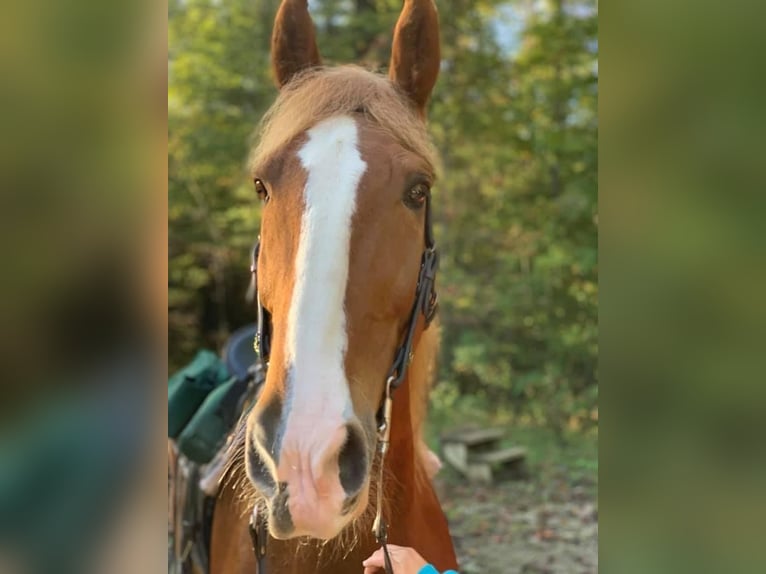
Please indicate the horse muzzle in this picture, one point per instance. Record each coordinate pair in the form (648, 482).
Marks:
(313, 472)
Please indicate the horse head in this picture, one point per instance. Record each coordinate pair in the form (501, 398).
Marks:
(344, 169)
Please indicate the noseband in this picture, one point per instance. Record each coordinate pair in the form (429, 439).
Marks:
(425, 303)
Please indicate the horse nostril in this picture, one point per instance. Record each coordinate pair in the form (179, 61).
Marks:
(263, 433)
(280, 509)
(352, 461)
(258, 472)
(266, 427)
(349, 504)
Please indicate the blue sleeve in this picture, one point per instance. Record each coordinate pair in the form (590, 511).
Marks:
(428, 569)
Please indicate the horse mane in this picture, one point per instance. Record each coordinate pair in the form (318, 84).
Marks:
(321, 93)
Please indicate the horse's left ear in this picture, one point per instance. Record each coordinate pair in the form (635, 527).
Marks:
(415, 55)
(293, 41)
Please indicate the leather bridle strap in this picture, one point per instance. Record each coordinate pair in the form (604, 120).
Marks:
(262, 343)
(426, 302)
(259, 535)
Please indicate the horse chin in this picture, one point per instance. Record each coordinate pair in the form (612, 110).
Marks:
(327, 531)
(281, 526)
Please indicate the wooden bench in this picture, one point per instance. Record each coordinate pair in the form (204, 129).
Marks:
(476, 454)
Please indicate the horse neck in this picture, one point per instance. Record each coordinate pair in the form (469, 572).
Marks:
(401, 460)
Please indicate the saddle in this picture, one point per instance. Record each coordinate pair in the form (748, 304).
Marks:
(206, 398)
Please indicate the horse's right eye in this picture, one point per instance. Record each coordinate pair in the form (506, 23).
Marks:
(415, 197)
(260, 189)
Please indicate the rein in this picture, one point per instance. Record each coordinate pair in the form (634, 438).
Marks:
(425, 303)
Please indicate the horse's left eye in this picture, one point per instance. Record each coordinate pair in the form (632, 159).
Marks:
(416, 195)
(260, 189)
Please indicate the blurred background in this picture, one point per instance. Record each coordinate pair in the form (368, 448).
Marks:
(514, 118)
(82, 287)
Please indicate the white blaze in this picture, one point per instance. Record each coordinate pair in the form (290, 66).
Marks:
(316, 322)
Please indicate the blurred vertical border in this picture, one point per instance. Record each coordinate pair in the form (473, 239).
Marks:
(682, 308)
(83, 299)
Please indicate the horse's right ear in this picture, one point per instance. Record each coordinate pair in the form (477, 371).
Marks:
(293, 41)
(415, 55)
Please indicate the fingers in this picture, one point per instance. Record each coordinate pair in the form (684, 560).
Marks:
(401, 556)
(375, 560)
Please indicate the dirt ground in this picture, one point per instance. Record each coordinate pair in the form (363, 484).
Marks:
(533, 526)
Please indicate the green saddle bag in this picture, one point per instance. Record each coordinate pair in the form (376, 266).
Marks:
(203, 405)
(206, 431)
(188, 388)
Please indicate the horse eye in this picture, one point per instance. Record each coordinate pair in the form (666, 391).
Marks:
(260, 189)
(416, 196)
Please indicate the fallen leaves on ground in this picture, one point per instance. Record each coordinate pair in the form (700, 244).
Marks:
(539, 526)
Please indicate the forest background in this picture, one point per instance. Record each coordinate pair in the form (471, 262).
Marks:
(514, 117)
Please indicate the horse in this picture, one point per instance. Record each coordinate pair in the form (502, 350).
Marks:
(343, 168)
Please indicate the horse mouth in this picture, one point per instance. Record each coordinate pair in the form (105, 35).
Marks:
(282, 527)
(294, 498)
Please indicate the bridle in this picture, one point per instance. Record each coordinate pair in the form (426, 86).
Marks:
(425, 303)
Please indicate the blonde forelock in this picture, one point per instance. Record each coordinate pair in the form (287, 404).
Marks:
(321, 93)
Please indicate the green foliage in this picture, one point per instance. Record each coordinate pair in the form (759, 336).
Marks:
(514, 117)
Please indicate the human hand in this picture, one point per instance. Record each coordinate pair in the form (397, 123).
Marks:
(404, 560)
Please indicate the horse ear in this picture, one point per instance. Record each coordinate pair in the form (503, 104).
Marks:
(293, 41)
(415, 56)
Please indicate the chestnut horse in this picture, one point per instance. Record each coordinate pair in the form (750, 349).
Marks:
(344, 168)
